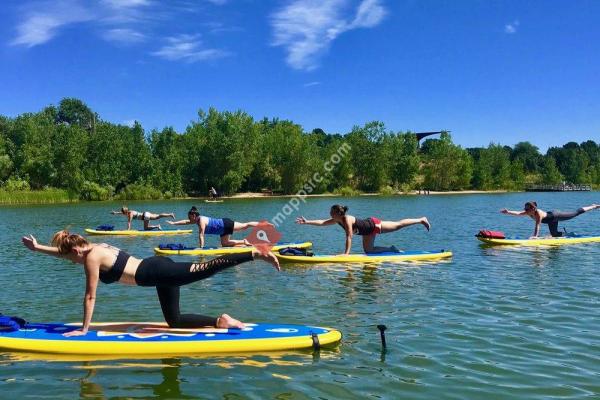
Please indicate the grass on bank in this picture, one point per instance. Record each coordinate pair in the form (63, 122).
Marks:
(47, 196)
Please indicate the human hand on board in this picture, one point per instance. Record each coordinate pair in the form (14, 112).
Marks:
(300, 220)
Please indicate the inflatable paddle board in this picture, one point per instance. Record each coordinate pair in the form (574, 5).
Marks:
(552, 241)
(135, 232)
(213, 201)
(219, 251)
(145, 338)
(368, 258)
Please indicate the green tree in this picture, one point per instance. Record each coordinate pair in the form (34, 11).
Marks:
(528, 154)
(446, 166)
(73, 111)
(550, 173)
(369, 156)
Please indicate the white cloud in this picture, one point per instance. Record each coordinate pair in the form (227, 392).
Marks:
(309, 84)
(218, 2)
(39, 27)
(188, 48)
(306, 28)
(130, 122)
(369, 14)
(126, 3)
(123, 36)
(512, 27)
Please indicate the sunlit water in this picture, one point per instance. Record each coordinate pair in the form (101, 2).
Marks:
(490, 323)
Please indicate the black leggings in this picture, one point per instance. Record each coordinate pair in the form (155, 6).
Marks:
(553, 217)
(167, 276)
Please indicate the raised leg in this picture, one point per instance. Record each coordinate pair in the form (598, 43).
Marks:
(391, 226)
(241, 226)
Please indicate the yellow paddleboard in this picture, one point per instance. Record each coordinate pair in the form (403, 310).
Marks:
(552, 241)
(368, 258)
(145, 338)
(219, 251)
(135, 232)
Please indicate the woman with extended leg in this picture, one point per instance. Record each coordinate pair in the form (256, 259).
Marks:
(224, 227)
(552, 218)
(145, 216)
(108, 264)
(368, 228)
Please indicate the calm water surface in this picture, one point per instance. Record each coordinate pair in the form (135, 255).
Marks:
(491, 323)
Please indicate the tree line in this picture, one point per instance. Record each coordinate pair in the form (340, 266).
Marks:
(70, 147)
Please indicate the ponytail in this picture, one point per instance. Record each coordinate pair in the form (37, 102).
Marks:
(65, 241)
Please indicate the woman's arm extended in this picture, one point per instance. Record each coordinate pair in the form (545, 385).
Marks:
(31, 243)
(92, 272)
(181, 222)
(509, 212)
(316, 222)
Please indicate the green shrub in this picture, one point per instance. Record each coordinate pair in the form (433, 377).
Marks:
(95, 192)
(136, 191)
(347, 191)
(387, 191)
(16, 185)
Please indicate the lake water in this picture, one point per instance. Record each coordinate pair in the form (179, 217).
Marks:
(491, 323)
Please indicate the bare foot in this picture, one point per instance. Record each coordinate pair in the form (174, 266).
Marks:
(425, 223)
(226, 321)
(247, 243)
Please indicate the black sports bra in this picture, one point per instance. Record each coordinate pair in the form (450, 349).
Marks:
(115, 273)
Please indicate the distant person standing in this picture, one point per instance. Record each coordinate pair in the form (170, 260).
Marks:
(212, 193)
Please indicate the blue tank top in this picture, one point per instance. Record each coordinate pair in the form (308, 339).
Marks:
(214, 226)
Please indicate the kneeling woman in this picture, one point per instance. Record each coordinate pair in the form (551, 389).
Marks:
(224, 227)
(109, 264)
(368, 228)
(552, 218)
(145, 216)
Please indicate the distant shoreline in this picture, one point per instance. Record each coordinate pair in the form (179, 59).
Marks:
(255, 195)
(258, 195)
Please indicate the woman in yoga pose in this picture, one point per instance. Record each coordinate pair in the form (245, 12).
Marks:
(108, 264)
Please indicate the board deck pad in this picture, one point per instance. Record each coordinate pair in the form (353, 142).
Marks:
(136, 232)
(158, 338)
(216, 251)
(551, 241)
(415, 255)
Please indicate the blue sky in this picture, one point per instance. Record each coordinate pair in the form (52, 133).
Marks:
(489, 71)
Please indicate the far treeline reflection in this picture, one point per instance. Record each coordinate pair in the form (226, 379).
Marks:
(70, 147)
